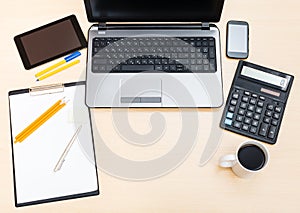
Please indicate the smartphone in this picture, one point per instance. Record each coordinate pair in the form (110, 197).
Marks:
(50, 42)
(237, 42)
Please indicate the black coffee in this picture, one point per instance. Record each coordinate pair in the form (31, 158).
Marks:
(251, 157)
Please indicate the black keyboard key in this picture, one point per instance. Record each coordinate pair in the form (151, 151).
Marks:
(212, 66)
(159, 67)
(144, 61)
(233, 102)
(131, 62)
(251, 107)
(253, 129)
(262, 98)
(109, 68)
(263, 129)
(276, 116)
(253, 101)
(205, 61)
(165, 61)
(237, 124)
(267, 120)
(239, 118)
(258, 110)
(245, 99)
(247, 121)
(172, 68)
(138, 61)
(254, 95)
(249, 114)
(247, 93)
(241, 112)
(183, 61)
(256, 117)
(270, 107)
(268, 113)
(231, 108)
(272, 132)
(197, 61)
(102, 68)
(206, 68)
(278, 109)
(254, 123)
(235, 95)
(166, 68)
(157, 61)
(212, 52)
(151, 61)
(243, 105)
(245, 127)
(117, 68)
(260, 103)
(274, 122)
(100, 61)
(137, 68)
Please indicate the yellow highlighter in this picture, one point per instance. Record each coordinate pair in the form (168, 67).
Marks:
(50, 68)
(66, 60)
(58, 70)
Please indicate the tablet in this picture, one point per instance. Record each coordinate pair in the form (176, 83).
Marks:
(50, 42)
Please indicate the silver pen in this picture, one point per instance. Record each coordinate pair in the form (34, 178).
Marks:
(67, 149)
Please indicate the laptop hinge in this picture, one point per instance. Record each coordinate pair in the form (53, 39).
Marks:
(205, 26)
(102, 26)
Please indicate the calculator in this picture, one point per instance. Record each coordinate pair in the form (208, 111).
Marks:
(256, 102)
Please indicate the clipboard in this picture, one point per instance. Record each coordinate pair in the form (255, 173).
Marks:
(34, 159)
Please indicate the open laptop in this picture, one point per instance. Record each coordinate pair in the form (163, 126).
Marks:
(157, 53)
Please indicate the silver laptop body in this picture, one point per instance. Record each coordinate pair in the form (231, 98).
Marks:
(151, 89)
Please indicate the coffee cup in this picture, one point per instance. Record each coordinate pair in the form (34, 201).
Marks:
(250, 158)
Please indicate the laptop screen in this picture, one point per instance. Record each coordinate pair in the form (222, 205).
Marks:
(154, 10)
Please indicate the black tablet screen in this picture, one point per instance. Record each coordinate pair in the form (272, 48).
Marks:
(49, 42)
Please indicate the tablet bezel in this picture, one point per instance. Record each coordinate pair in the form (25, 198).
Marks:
(23, 54)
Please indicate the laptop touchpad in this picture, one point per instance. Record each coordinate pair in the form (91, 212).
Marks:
(141, 90)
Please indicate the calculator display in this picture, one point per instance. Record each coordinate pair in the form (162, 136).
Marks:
(281, 82)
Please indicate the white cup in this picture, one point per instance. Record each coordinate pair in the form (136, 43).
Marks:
(249, 161)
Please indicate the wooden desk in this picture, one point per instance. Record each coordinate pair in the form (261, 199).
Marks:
(274, 42)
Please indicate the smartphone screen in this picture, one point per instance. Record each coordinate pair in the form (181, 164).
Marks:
(237, 39)
(50, 42)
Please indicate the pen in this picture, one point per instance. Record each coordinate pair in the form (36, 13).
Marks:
(66, 59)
(58, 70)
(66, 151)
(40, 121)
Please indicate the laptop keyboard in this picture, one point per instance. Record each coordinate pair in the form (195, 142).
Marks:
(154, 54)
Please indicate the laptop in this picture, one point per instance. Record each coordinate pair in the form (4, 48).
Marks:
(154, 53)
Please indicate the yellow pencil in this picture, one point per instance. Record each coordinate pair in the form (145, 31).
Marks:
(37, 125)
(58, 70)
(39, 121)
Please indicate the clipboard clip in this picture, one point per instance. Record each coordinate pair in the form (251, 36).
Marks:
(46, 89)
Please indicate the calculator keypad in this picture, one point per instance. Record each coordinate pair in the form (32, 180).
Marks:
(253, 115)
